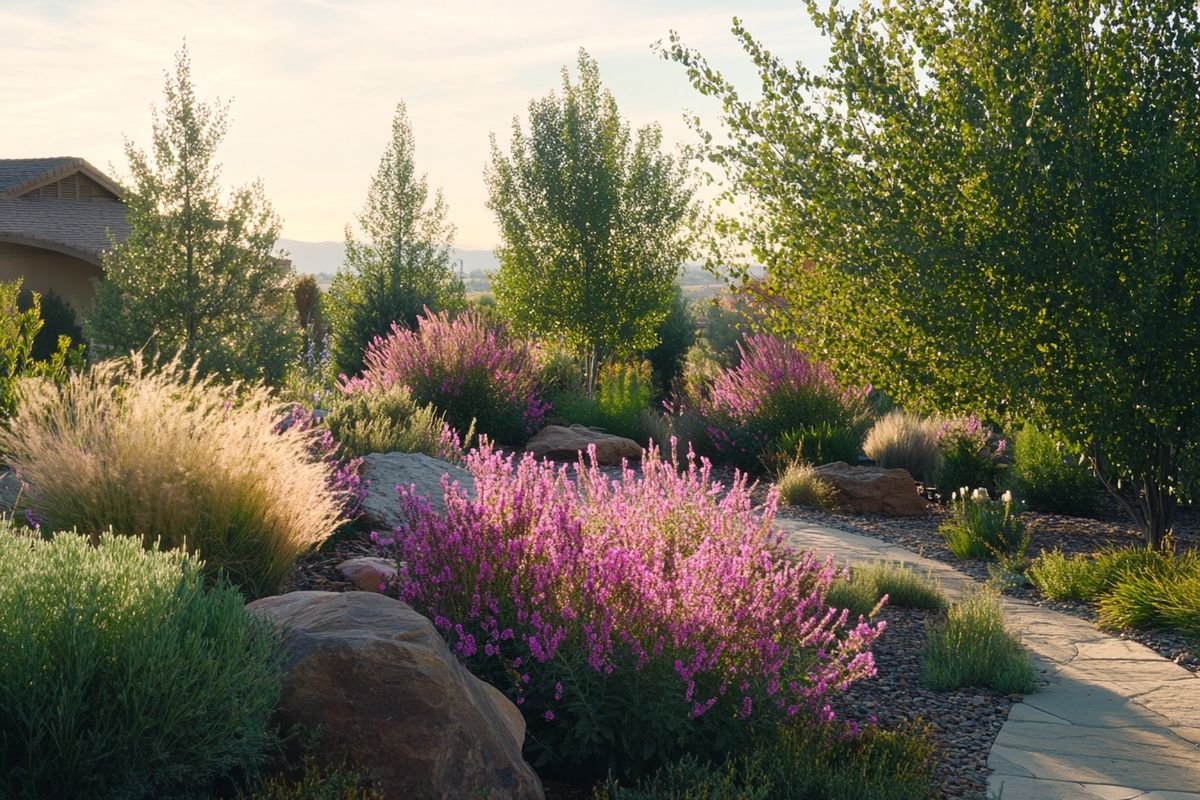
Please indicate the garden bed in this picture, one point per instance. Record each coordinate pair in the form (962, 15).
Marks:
(1072, 535)
(963, 723)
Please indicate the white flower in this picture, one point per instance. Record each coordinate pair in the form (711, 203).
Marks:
(954, 496)
(980, 495)
(1007, 497)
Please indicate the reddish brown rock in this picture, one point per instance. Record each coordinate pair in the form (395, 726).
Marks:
(369, 573)
(874, 490)
(392, 700)
(555, 441)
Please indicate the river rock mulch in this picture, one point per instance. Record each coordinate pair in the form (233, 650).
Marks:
(1048, 531)
(962, 723)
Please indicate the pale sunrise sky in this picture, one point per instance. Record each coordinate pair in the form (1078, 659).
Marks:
(313, 83)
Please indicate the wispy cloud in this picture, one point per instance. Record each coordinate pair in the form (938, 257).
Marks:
(314, 82)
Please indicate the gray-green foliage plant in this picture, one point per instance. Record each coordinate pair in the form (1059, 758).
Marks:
(403, 265)
(389, 420)
(594, 223)
(989, 205)
(198, 274)
(121, 676)
(971, 647)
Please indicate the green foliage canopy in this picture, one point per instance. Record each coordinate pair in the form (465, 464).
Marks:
(404, 266)
(990, 206)
(197, 274)
(594, 223)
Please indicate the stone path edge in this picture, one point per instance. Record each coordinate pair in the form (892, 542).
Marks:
(1113, 719)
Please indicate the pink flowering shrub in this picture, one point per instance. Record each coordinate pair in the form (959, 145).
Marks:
(777, 404)
(971, 454)
(468, 368)
(632, 620)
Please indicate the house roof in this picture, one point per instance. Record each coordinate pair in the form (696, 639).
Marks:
(75, 227)
(21, 175)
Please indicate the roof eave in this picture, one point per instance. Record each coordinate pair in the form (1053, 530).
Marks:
(90, 256)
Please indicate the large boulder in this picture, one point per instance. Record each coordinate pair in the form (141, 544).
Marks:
(874, 490)
(392, 700)
(556, 441)
(385, 471)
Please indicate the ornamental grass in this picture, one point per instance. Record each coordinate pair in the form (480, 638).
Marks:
(177, 460)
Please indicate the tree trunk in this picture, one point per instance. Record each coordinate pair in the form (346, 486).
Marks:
(1158, 509)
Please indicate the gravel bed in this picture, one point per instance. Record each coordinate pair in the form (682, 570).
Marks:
(1070, 534)
(963, 723)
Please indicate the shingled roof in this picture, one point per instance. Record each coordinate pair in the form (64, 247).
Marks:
(78, 227)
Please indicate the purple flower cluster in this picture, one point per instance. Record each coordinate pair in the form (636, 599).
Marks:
(345, 477)
(552, 574)
(468, 368)
(772, 399)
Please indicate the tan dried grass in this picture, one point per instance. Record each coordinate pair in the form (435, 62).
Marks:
(170, 457)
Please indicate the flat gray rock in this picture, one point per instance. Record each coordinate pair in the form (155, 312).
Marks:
(386, 471)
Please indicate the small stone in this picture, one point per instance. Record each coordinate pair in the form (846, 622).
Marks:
(369, 574)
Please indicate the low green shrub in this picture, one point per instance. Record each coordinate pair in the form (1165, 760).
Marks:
(970, 454)
(121, 677)
(167, 457)
(900, 440)
(1062, 577)
(58, 320)
(799, 763)
(388, 420)
(972, 648)
(624, 391)
(868, 584)
(22, 342)
(1048, 477)
(623, 396)
(314, 783)
(820, 443)
(801, 485)
(980, 527)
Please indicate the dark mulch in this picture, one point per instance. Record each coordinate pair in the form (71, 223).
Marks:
(964, 723)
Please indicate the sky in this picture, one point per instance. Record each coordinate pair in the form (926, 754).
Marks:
(313, 84)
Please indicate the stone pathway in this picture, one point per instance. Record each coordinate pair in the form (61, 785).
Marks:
(1113, 720)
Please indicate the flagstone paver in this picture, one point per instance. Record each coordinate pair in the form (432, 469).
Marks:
(1112, 721)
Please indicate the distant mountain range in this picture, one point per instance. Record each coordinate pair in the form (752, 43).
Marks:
(326, 257)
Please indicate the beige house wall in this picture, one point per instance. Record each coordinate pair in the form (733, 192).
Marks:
(43, 270)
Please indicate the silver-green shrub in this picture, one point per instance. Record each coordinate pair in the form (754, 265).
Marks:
(121, 676)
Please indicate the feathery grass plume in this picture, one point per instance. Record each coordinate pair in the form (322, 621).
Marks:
(971, 647)
(166, 456)
(900, 440)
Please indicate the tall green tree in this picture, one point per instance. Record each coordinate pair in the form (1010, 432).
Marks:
(404, 265)
(990, 206)
(594, 223)
(198, 274)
